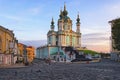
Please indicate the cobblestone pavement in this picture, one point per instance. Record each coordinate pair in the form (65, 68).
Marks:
(104, 70)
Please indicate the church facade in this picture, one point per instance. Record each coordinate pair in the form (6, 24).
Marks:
(63, 37)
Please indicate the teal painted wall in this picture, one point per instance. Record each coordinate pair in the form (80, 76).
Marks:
(53, 50)
(37, 53)
(46, 52)
(42, 52)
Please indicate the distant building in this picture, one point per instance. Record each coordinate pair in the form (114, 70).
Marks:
(30, 53)
(8, 46)
(57, 41)
(22, 52)
(115, 39)
(26, 53)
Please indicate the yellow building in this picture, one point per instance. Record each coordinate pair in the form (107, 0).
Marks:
(26, 53)
(30, 53)
(7, 46)
(21, 51)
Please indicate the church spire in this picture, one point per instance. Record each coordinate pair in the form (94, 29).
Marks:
(78, 24)
(65, 11)
(64, 7)
(78, 19)
(52, 24)
(61, 14)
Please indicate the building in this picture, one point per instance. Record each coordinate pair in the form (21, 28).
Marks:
(26, 53)
(8, 46)
(22, 53)
(16, 51)
(30, 53)
(57, 41)
(115, 39)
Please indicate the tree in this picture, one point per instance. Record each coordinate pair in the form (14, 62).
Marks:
(116, 33)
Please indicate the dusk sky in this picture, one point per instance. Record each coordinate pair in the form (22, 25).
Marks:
(30, 19)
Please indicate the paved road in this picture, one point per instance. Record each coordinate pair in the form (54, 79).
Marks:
(104, 70)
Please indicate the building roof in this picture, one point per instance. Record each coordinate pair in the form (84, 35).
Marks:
(10, 32)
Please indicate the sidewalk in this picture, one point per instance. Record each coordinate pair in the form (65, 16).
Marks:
(12, 66)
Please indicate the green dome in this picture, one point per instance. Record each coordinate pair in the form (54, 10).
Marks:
(65, 13)
(52, 22)
(78, 19)
(61, 14)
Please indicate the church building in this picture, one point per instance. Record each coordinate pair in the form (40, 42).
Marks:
(58, 40)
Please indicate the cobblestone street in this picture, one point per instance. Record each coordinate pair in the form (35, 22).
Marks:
(104, 70)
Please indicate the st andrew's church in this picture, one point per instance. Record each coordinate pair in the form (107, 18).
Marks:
(57, 41)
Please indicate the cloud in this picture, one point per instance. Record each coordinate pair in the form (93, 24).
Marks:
(97, 41)
(12, 17)
(15, 18)
(35, 43)
(107, 12)
(99, 48)
(113, 10)
(96, 36)
(97, 20)
(35, 10)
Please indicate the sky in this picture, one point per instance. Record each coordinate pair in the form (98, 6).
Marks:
(30, 19)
